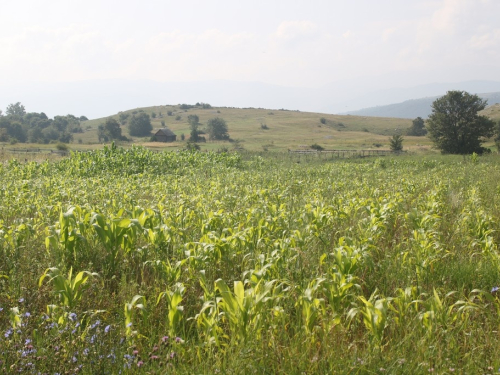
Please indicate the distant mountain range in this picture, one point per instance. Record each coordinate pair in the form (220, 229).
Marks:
(413, 108)
(100, 98)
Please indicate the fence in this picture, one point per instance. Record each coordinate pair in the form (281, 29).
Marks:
(344, 153)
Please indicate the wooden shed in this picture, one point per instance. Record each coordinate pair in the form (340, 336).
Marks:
(165, 135)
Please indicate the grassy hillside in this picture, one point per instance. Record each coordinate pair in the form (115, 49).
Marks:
(493, 112)
(286, 129)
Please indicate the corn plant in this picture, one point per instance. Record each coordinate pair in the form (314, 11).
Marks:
(137, 303)
(244, 309)
(208, 318)
(69, 288)
(67, 240)
(310, 306)
(375, 313)
(116, 233)
(175, 310)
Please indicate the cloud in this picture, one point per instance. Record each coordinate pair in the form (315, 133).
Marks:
(489, 40)
(295, 29)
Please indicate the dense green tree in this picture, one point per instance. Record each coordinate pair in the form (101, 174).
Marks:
(123, 118)
(110, 130)
(455, 126)
(396, 142)
(35, 135)
(217, 129)
(16, 109)
(417, 128)
(194, 123)
(140, 125)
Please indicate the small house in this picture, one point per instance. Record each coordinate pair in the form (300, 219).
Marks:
(165, 135)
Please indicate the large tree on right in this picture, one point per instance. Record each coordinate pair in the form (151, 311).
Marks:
(455, 126)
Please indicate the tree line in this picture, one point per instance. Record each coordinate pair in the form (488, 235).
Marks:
(17, 125)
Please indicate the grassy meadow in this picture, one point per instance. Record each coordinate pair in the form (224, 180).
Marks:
(133, 261)
(257, 130)
(287, 130)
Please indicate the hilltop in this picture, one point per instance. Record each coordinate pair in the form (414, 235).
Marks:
(414, 108)
(259, 129)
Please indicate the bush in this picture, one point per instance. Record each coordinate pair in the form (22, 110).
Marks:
(317, 147)
(396, 143)
(62, 147)
(192, 146)
(177, 118)
(322, 120)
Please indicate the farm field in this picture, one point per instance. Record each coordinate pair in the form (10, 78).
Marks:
(128, 260)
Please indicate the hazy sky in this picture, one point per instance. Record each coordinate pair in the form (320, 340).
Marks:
(292, 43)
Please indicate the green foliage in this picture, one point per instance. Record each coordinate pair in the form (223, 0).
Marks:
(396, 142)
(62, 147)
(192, 146)
(123, 118)
(110, 131)
(70, 289)
(194, 123)
(15, 109)
(217, 129)
(455, 126)
(317, 147)
(418, 128)
(140, 125)
(247, 264)
(322, 120)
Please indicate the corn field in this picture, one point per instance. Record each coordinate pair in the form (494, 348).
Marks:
(127, 261)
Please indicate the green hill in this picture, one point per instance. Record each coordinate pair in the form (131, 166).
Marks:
(260, 129)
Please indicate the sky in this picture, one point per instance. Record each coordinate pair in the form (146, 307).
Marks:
(292, 43)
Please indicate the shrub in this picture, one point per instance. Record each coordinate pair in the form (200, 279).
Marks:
(192, 146)
(396, 142)
(317, 147)
(62, 147)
